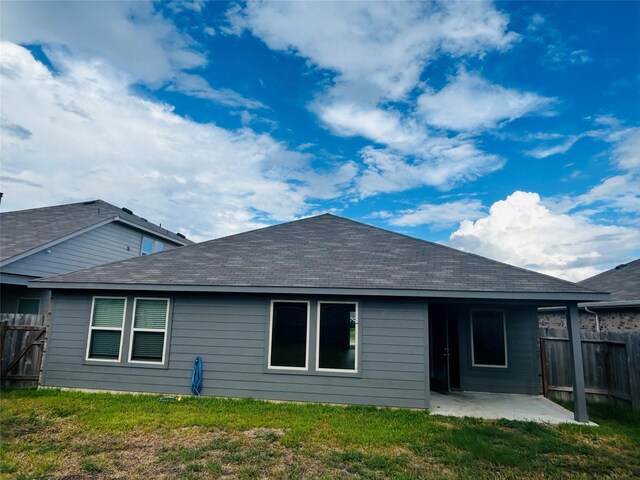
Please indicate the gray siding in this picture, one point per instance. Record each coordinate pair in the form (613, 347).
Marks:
(105, 244)
(521, 374)
(229, 333)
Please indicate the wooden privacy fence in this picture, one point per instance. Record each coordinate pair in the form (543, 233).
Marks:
(22, 338)
(611, 366)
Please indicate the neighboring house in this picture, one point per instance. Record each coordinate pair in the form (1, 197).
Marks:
(620, 313)
(42, 242)
(323, 309)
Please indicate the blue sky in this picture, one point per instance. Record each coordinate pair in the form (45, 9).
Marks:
(507, 129)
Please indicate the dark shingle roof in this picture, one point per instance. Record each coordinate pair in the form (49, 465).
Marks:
(323, 252)
(622, 282)
(24, 230)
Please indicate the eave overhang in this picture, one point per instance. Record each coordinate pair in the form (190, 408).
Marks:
(366, 292)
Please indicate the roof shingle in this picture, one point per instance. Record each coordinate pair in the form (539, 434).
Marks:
(622, 282)
(24, 230)
(323, 252)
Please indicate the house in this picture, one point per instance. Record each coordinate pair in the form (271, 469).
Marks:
(42, 242)
(619, 313)
(323, 309)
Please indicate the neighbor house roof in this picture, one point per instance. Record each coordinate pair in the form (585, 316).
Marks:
(24, 232)
(324, 254)
(622, 282)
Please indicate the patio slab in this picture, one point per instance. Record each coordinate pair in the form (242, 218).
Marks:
(535, 408)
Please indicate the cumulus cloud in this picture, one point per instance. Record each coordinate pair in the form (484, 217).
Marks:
(439, 215)
(382, 44)
(470, 102)
(131, 36)
(377, 52)
(91, 137)
(521, 231)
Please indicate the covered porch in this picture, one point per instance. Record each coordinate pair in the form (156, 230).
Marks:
(492, 347)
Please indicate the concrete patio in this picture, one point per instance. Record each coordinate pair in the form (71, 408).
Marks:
(534, 408)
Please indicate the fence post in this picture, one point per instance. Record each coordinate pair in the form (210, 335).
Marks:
(632, 344)
(3, 331)
(543, 361)
(575, 347)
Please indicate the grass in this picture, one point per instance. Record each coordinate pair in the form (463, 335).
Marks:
(55, 434)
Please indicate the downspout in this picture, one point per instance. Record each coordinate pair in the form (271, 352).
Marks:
(597, 318)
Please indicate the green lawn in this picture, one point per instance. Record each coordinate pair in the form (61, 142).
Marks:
(53, 434)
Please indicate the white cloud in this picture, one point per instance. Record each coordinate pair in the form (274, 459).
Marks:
(626, 153)
(521, 231)
(563, 147)
(384, 45)
(91, 137)
(131, 36)
(377, 52)
(469, 102)
(444, 163)
(439, 215)
(196, 86)
(386, 127)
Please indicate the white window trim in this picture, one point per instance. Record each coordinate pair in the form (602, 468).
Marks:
(306, 356)
(338, 370)
(92, 328)
(504, 332)
(29, 298)
(153, 330)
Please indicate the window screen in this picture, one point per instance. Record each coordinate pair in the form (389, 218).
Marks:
(149, 330)
(337, 336)
(29, 306)
(289, 334)
(105, 332)
(489, 340)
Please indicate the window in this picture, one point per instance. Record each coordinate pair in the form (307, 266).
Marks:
(105, 330)
(289, 335)
(148, 330)
(488, 339)
(337, 341)
(150, 245)
(29, 305)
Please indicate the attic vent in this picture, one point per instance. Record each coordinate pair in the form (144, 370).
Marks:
(181, 235)
(126, 210)
(622, 265)
(90, 202)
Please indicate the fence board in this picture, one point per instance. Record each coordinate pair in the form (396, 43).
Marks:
(611, 364)
(18, 339)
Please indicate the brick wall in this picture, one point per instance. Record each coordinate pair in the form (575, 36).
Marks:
(614, 320)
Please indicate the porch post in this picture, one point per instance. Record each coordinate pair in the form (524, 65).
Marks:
(575, 347)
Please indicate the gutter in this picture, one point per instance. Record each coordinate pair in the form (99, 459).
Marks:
(546, 297)
(596, 305)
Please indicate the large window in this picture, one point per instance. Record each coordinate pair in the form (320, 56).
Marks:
(337, 340)
(289, 335)
(105, 331)
(488, 338)
(149, 330)
(150, 245)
